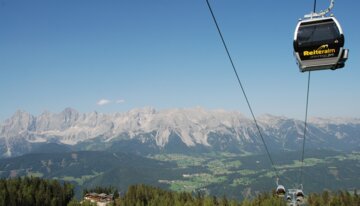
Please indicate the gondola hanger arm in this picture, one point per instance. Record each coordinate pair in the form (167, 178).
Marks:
(321, 13)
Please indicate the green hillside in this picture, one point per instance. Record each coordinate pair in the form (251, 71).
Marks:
(236, 176)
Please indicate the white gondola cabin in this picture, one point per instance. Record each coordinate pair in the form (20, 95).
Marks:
(319, 44)
(280, 191)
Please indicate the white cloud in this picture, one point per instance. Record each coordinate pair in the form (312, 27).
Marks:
(103, 102)
(120, 101)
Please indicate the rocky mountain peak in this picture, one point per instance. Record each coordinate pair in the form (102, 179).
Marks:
(21, 121)
(192, 127)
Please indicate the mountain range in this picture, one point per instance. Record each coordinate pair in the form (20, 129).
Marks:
(147, 130)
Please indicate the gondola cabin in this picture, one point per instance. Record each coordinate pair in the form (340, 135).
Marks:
(299, 196)
(318, 44)
(280, 191)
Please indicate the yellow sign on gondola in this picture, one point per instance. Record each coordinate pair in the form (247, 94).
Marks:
(323, 49)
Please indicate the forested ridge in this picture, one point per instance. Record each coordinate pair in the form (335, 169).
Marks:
(37, 191)
(34, 191)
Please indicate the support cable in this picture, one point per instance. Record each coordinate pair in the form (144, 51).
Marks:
(305, 126)
(314, 10)
(305, 122)
(242, 89)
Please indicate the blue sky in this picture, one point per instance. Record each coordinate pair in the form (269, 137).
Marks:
(167, 54)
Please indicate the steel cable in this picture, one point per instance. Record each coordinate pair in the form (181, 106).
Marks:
(242, 89)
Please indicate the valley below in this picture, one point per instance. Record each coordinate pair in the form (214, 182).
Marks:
(214, 152)
(236, 176)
